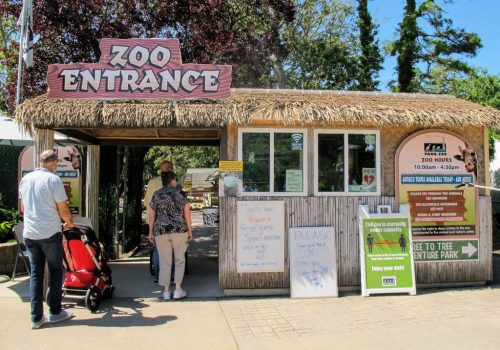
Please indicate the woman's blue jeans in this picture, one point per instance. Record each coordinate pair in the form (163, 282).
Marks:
(39, 251)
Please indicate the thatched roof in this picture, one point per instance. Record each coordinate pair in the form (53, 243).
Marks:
(246, 106)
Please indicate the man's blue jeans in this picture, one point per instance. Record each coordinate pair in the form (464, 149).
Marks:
(41, 250)
(156, 262)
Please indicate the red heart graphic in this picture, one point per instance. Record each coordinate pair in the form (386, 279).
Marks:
(369, 179)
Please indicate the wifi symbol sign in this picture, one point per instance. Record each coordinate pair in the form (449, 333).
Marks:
(297, 142)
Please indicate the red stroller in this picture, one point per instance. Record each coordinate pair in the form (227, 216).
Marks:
(88, 276)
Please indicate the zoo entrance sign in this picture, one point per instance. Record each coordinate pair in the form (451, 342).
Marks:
(139, 69)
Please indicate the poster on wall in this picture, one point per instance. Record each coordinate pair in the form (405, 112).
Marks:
(68, 169)
(313, 262)
(386, 256)
(230, 177)
(260, 234)
(430, 165)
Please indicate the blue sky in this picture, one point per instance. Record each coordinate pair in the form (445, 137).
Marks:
(478, 16)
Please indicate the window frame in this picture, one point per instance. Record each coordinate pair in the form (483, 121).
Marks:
(271, 132)
(346, 133)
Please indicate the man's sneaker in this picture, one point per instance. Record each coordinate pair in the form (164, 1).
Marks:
(166, 295)
(179, 294)
(155, 280)
(62, 316)
(39, 324)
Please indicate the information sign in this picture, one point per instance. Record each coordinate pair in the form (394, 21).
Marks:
(449, 250)
(313, 262)
(260, 236)
(386, 252)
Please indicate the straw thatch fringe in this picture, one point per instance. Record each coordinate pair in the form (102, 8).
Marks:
(330, 108)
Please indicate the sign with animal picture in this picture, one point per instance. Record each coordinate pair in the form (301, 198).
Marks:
(139, 69)
(68, 169)
(429, 167)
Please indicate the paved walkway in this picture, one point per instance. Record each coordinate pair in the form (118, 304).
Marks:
(434, 319)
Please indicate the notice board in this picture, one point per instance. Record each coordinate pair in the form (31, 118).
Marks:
(386, 252)
(260, 236)
(313, 262)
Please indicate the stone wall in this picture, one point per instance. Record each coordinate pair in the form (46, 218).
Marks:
(8, 257)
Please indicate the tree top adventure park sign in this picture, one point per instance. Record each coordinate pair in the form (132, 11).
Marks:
(139, 69)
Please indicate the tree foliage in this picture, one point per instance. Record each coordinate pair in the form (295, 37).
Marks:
(183, 158)
(370, 61)
(323, 46)
(427, 40)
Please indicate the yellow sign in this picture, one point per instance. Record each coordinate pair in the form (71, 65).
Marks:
(230, 165)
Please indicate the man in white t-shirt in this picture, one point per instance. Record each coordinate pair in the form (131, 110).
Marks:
(44, 203)
(154, 185)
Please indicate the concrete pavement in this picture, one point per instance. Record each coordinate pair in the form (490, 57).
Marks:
(434, 319)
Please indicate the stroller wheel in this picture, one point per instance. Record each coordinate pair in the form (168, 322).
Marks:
(108, 292)
(93, 298)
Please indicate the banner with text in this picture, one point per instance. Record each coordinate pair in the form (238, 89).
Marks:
(139, 69)
(449, 250)
(385, 253)
(429, 167)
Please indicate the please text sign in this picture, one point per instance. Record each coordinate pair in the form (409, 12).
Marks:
(313, 262)
(139, 69)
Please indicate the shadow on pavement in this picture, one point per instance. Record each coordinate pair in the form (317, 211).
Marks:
(119, 312)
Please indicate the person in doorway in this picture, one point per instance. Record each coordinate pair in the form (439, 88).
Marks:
(44, 203)
(170, 230)
(154, 185)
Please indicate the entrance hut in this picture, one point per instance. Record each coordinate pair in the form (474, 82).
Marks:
(327, 196)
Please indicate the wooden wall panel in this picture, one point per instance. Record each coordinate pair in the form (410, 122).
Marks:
(341, 212)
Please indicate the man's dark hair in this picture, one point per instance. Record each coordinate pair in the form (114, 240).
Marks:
(167, 177)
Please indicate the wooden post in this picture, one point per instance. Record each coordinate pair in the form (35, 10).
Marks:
(44, 140)
(92, 186)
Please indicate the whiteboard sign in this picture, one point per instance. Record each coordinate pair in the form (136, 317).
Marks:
(313, 262)
(261, 236)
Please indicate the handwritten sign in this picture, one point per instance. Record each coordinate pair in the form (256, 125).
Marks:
(261, 236)
(139, 69)
(293, 180)
(313, 262)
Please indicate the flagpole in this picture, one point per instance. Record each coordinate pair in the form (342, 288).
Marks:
(20, 61)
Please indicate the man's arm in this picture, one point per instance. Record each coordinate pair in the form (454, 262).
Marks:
(65, 214)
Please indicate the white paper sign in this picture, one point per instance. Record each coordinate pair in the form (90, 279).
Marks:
(261, 236)
(313, 262)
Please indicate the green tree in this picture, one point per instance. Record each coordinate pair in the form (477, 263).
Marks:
(183, 157)
(433, 43)
(8, 55)
(323, 46)
(370, 61)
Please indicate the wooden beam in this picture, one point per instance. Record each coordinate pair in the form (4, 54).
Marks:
(159, 142)
(79, 135)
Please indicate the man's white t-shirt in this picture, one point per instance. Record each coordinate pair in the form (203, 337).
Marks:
(40, 190)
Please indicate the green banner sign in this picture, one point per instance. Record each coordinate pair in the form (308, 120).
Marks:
(387, 253)
(450, 250)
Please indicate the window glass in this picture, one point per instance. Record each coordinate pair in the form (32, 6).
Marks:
(362, 163)
(330, 162)
(256, 161)
(288, 162)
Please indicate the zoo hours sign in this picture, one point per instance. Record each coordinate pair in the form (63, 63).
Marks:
(429, 166)
(139, 69)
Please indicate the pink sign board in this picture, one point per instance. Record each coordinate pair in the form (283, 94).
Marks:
(431, 168)
(139, 69)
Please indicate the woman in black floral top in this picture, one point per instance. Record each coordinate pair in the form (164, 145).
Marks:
(170, 230)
